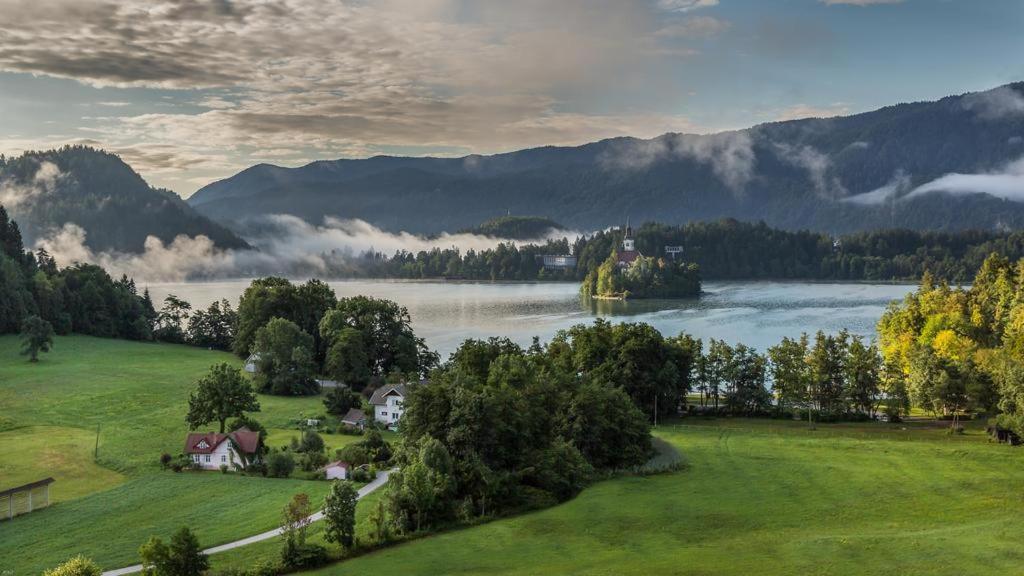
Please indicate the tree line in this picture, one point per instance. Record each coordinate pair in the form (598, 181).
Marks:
(723, 250)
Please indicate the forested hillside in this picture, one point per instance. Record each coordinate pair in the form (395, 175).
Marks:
(836, 175)
(98, 192)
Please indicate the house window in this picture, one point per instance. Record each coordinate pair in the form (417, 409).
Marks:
(383, 413)
(223, 458)
(207, 457)
(195, 457)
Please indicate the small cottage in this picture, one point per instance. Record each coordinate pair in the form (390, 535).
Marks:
(211, 450)
(355, 418)
(337, 470)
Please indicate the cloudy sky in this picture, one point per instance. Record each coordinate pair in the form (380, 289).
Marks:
(189, 91)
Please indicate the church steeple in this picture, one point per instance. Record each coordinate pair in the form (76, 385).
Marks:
(627, 243)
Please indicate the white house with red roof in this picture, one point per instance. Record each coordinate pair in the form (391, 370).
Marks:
(211, 450)
(338, 470)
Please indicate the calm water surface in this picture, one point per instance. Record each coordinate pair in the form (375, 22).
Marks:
(758, 314)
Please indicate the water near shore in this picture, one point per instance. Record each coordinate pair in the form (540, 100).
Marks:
(758, 314)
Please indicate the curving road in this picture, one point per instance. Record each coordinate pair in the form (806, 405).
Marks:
(379, 481)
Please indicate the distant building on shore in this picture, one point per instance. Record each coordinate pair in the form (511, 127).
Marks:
(558, 262)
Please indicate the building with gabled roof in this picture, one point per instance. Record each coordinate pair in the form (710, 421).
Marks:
(387, 404)
(211, 450)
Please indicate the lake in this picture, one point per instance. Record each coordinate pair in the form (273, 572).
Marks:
(758, 314)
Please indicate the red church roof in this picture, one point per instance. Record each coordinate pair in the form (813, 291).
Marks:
(628, 256)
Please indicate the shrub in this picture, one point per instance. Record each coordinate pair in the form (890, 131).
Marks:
(265, 568)
(311, 442)
(300, 556)
(310, 461)
(223, 468)
(349, 430)
(77, 566)
(280, 464)
(165, 460)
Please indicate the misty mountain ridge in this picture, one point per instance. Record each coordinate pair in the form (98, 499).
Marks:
(99, 193)
(886, 168)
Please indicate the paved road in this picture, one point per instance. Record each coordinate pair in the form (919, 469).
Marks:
(379, 481)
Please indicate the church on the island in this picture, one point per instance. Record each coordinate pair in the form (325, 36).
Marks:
(628, 253)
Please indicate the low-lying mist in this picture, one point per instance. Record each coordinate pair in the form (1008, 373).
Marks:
(283, 245)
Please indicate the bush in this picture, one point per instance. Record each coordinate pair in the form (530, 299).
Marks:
(265, 568)
(349, 430)
(165, 460)
(362, 474)
(297, 556)
(310, 461)
(77, 566)
(311, 442)
(223, 468)
(280, 464)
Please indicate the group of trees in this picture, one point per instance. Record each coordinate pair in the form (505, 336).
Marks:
(723, 249)
(962, 348)
(645, 277)
(299, 331)
(500, 428)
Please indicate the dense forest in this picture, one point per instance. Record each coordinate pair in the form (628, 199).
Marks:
(82, 298)
(723, 250)
(516, 227)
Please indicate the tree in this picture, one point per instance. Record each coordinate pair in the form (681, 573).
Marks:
(340, 400)
(790, 371)
(171, 319)
(223, 393)
(863, 367)
(893, 385)
(386, 333)
(36, 336)
(264, 299)
(213, 327)
(340, 513)
(280, 464)
(347, 359)
(285, 366)
(828, 371)
(77, 566)
(184, 556)
(746, 392)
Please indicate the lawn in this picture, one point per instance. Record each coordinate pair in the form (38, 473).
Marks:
(110, 526)
(136, 394)
(762, 497)
(37, 452)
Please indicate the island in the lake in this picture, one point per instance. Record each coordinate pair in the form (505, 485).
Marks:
(627, 273)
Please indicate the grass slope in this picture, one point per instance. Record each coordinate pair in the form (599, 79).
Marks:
(36, 452)
(762, 498)
(137, 394)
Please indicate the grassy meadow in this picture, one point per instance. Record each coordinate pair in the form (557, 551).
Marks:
(762, 497)
(136, 393)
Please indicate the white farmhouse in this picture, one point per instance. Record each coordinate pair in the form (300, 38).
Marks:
(210, 450)
(387, 404)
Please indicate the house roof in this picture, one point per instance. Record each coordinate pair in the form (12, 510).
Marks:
(354, 415)
(380, 394)
(628, 256)
(246, 440)
(340, 463)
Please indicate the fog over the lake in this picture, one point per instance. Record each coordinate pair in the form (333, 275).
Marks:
(283, 245)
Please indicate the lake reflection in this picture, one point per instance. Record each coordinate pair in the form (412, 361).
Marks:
(756, 313)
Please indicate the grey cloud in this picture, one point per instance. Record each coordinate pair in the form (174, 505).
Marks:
(729, 154)
(817, 166)
(891, 191)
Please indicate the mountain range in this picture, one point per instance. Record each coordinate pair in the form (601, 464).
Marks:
(886, 168)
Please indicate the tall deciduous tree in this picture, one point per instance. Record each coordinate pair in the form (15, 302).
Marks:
(285, 364)
(36, 337)
(223, 393)
(340, 513)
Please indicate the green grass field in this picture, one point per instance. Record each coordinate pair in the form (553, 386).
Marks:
(136, 393)
(762, 497)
